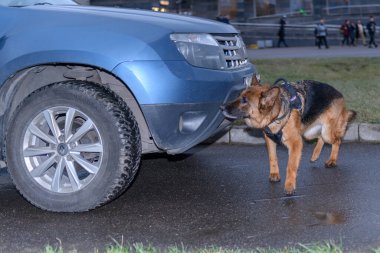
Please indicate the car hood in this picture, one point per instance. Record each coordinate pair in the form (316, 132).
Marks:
(96, 36)
(172, 22)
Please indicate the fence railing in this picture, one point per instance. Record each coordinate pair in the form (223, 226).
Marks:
(288, 27)
(298, 34)
(364, 9)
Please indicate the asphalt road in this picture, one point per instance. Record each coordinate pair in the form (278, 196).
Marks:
(215, 195)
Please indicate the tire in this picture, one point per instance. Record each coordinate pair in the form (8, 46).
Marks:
(72, 146)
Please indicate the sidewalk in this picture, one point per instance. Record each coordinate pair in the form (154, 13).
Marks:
(362, 132)
(312, 52)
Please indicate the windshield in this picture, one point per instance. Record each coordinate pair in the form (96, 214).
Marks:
(36, 2)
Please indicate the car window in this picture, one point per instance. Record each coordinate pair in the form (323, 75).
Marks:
(36, 2)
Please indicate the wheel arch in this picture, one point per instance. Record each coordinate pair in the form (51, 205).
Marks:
(21, 84)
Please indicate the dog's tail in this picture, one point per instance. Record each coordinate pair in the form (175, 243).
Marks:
(350, 115)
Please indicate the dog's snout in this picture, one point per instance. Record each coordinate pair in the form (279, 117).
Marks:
(228, 111)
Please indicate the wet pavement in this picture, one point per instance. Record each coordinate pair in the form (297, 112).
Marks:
(215, 195)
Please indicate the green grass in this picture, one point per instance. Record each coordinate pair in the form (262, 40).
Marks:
(327, 247)
(358, 79)
(50, 249)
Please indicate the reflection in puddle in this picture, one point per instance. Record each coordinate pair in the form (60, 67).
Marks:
(329, 218)
(289, 202)
(293, 212)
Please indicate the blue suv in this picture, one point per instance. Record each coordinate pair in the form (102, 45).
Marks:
(85, 91)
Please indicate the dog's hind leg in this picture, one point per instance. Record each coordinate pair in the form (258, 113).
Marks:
(337, 134)
(274, 172)
(317, 149)
(334, 154)
(334, 132)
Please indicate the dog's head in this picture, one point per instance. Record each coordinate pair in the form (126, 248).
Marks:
(258, 105)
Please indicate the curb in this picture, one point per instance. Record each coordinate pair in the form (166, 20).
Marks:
(356, 132)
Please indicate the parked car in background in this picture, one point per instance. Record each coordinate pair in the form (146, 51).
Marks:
(85, 91)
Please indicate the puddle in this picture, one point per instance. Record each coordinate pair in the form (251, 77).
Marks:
(289, 202)
(285, 199)
(330, 218)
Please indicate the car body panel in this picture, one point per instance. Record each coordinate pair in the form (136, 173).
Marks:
(180, 102)
(165, 82)
(70, 36)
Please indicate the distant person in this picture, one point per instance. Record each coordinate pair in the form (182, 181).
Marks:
(321, 34)
(352, 34)
(371, 27)
(360, 33)
(345, 31)
(281, 32)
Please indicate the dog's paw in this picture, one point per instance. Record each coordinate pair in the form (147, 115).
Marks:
(330, 164)
(313, 159)
(290, 189)
(290, 192)
(274, 177)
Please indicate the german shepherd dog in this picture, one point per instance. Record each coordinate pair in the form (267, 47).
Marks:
(286, 113)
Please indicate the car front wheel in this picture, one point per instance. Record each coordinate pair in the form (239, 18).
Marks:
(72, 146)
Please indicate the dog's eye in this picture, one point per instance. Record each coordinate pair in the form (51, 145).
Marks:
(243, 100)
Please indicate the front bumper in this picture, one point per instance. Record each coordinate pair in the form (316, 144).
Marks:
(181, 103)
(178, 127)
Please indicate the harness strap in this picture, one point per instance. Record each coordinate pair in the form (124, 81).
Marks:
(277, 137)
(295, 100)
(293, 103)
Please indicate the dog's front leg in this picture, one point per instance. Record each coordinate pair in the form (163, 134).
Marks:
(294, 144)
(274, 172)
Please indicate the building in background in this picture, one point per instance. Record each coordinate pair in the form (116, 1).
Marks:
(246, 10)
(258, 20)
(173, 6)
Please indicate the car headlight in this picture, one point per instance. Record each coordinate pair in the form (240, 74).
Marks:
(200, 50)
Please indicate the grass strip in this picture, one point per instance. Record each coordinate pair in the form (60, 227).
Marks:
(358, 79)
(327, 247)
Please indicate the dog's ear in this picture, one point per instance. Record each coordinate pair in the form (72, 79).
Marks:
(255, 80)
(268, 98)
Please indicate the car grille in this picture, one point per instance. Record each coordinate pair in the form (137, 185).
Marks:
(234, 50)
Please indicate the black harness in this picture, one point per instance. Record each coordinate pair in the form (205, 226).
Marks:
(293, 103)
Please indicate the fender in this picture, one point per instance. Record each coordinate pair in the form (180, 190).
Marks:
(73, 40)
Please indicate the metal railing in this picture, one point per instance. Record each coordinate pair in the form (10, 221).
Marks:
(287, 14)
(288, 27)
(362, 9)
(301, 27)
(252, 32)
